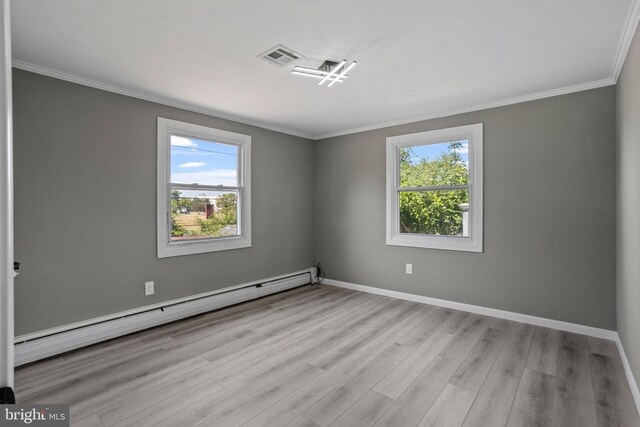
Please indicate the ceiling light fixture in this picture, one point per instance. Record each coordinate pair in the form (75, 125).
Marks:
(316, 76)
(329, 71)
(343, 73)
(334, 70)
(307, 70)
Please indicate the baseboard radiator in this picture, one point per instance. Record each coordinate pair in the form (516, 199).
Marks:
(33, 347)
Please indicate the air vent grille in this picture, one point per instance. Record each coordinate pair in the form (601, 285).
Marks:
(280, 56)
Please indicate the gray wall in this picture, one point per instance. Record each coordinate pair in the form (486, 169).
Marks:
(549, 216)
(85, 209)
(628, 237)
(85, 206)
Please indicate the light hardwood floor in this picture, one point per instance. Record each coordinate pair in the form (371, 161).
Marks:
(320, 356)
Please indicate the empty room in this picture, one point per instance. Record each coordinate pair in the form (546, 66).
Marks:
(319, 213)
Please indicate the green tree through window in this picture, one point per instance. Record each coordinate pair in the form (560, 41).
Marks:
(226, 214)
(189, 216)
(433, 211)
(177, 230)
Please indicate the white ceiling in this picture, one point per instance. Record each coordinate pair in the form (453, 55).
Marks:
(416, 58)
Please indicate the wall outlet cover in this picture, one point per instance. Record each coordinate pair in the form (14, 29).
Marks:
(149, 288)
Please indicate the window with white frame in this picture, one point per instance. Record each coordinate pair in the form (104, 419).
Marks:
(434, 189)
(204, 189)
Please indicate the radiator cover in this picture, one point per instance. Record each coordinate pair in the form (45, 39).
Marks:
(33, 347)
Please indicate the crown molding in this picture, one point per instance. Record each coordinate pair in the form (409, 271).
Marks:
(147, 96)
(500, 103)
(625, 41)
(211, 112)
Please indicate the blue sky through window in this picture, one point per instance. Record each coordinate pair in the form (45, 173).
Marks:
(431, 151)
(194, 161)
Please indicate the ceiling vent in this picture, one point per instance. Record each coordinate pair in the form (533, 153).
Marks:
(280, 56)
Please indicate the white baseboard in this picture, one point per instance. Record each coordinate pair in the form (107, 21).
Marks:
(486, 311)
(42, 345)
(633, 385)
(508, 315)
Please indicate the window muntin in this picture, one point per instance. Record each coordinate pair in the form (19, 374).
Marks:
(203, 189)
(434, 189)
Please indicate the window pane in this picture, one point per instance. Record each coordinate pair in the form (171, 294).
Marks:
(435, 164)
(197, 214)
(194, 161)
(434, 212)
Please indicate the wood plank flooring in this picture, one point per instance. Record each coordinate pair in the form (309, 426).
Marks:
(325, 356)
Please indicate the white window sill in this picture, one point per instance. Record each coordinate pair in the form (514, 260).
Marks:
(451, 243)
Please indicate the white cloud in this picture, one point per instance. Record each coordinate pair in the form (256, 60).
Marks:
(192, 164)
(187, 151)
(216, 177)
(180, 141)
(463, 150)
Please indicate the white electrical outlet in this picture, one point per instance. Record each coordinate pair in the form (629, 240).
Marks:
(409, 269)
(148, 288)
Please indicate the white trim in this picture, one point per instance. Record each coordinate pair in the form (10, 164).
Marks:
(471, 243)
(633, 385)
(625, 40)
(22, 65)
(478, 107)
(151, 97)
(508, 315)
(623, 48)
(485, 311)
(40, 345)
(93, 321)
(7, 273)
(167, 248)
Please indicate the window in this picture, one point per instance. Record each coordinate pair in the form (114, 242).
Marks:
(204, 189)
(434, 189)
